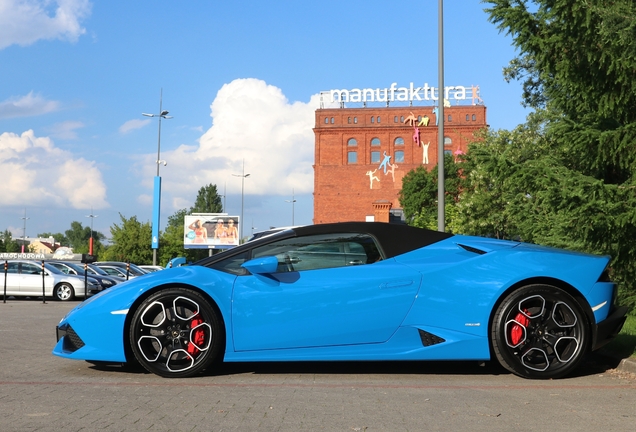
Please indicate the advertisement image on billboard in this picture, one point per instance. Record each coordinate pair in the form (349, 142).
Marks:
(210, 231)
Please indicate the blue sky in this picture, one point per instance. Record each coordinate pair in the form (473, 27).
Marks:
(239, 78)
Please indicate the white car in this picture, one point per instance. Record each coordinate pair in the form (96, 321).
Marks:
(24, 279)
(150, 268)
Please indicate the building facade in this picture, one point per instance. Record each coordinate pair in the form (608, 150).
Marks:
(362, 154)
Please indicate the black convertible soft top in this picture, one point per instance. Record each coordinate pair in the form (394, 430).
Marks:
(394, 239)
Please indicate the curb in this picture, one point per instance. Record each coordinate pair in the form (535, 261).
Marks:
(627, 365)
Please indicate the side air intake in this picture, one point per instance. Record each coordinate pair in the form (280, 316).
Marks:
(429, 339)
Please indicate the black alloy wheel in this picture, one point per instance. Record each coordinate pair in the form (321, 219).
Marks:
(540, 331)
(175, 333)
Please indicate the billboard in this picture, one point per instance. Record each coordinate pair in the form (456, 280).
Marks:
(210, 231)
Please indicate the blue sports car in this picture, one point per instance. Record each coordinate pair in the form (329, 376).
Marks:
(355, 291)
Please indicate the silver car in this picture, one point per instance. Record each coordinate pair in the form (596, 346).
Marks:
(24, 279)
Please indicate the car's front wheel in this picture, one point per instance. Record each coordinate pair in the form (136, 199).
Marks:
(176, 333)
(540, 331)
(64, 292)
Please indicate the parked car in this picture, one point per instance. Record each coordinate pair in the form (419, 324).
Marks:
(76, 269)
(95, 270)
(116, 272)
(24, 279)
(127, 267)
(272, 230)
(150, 268)
(356, 291)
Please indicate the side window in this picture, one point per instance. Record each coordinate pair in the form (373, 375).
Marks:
(30, 269)
(231, 264)
(13, 267)
(321, 251)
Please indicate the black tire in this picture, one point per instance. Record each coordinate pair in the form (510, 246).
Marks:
(540, 332)
(64, 292)
(176, 333)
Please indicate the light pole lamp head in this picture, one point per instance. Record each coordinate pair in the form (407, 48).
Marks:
(162, 162)
(147, 115)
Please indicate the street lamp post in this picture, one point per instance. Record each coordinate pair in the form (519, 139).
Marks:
(24, 231)
(242, 175)
(440, 125)
(90, 245)
(292, 201)
(156, 208)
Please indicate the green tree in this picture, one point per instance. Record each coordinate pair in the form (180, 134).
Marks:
(78, 237)
(7, 244)
(573, 183)
(130, 241)
(418, 196)
(207, 201)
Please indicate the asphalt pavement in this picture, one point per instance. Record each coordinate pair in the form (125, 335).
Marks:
(41, 392)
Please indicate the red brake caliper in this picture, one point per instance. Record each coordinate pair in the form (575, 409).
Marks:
(516, 332)
(198, 337)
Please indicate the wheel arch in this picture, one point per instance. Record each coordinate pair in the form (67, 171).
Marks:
(558, 283)
(130, 357)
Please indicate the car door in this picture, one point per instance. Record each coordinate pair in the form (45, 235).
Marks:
(317, 298)
(31, 279)
(13, 278)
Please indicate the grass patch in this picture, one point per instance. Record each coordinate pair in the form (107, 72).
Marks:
(624, 345)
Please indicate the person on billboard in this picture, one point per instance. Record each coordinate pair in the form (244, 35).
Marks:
(232, 232)
(200, 233)
(220, 232)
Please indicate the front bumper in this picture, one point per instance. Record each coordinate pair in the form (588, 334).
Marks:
(607, 329)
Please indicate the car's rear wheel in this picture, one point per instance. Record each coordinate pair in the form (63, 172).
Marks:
(64, 292)
(176, 333)
(540, 331)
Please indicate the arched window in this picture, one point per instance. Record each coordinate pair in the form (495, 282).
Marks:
(371, 119)
(332, 120)
(399, 141)
(395, 119)
(399, 156)
(474, 117)
(355, 120)
(467, 117)
(326, 120)
(352, 142)
(378, 119)
(448, 141)
(349, 120)
(450, 118)
(375, 142)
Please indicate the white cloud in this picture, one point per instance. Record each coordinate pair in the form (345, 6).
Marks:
(131, 125)
(23, 22)
(35, 172)
(66, 130)
(255, 122)
(26, 106)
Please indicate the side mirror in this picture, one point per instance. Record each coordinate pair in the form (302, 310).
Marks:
(262, 265)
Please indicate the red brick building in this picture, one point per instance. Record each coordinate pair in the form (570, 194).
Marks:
(361, 155)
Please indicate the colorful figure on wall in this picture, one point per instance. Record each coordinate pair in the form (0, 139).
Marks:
(436, 112)
(372, 177)
(392, 170)
(425, 153)
(446, 103)
(475, 96)
(411, 119)
(416, 136)
(424, 121)
(385, 161)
